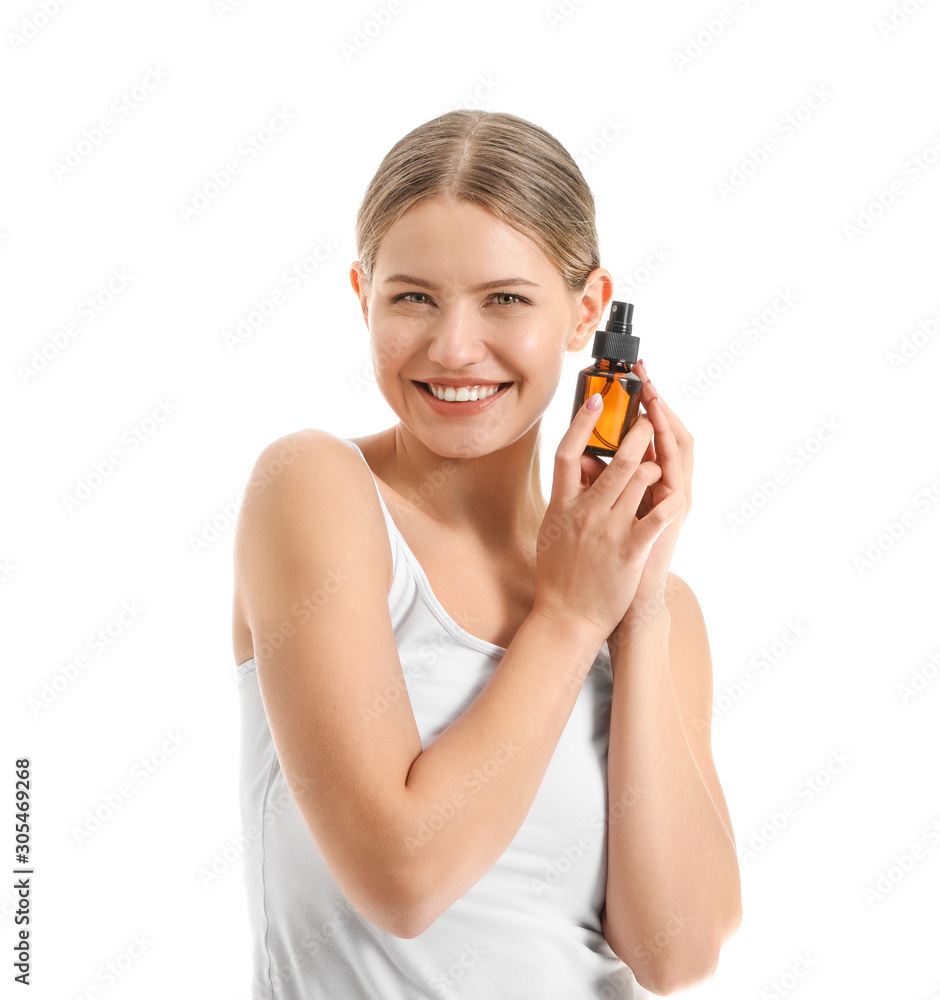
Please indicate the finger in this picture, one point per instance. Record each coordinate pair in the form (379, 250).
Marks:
(566, 480)
(610, 483)
(684, 443)
(649, 528)
(678, 428)
(591, 467)
(647, 393)
(628, 504)
(667, 449)
(683, 437)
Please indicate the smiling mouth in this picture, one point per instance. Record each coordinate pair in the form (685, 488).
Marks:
(472, 395)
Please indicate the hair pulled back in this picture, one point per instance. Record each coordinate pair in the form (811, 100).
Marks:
(508, 165)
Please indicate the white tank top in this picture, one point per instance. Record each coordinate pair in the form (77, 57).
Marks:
(530, 927)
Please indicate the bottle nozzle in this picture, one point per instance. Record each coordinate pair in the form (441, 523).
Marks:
(621, 317)
(616, 341)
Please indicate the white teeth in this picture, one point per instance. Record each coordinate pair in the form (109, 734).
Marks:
(462, 393)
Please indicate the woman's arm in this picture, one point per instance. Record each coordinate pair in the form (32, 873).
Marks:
(404, 832)
(673, 884)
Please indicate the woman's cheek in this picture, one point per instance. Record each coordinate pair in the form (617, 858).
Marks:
(389, 350)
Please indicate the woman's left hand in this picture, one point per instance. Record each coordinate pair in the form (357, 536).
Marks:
(683, 441)
(671, 448)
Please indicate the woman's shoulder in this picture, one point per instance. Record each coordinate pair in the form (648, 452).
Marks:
(309, 469)
(299, 449)
(310, 491)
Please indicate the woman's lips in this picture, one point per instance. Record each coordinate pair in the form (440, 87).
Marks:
(460, 409)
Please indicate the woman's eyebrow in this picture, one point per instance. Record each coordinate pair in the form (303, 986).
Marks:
(408, 280)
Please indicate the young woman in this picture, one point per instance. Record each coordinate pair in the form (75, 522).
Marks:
(476, 758)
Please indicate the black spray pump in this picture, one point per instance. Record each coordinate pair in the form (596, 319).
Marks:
(615, 351)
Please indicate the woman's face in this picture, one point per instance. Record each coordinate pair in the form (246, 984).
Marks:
(431, 318)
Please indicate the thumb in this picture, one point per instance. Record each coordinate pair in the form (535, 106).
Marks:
(567, 476)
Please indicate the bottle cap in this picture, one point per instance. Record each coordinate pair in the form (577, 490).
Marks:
(616, 342)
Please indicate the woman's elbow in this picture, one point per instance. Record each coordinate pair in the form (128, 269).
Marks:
(393, 900)
(679, 970)
(673, 978)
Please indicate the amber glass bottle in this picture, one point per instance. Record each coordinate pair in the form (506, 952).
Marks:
(615, 352)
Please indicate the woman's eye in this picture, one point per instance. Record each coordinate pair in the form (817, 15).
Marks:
(501, 296)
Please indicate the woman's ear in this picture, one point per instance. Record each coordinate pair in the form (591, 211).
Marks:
(589, 307)
(358, 281)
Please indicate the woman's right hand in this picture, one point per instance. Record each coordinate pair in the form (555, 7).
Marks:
(591, 546)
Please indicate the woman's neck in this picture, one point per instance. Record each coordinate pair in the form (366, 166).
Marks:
(496, 495)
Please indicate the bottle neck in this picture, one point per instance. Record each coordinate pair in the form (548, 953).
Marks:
(611, 365)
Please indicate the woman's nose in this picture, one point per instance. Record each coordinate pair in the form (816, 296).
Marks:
(456, 340)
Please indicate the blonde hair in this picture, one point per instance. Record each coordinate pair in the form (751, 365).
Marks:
(506, 164)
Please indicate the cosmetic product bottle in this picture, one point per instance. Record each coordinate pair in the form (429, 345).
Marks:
(615, 352)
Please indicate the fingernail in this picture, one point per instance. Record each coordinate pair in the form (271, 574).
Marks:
(594, 403)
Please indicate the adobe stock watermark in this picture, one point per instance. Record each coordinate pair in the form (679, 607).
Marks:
(130, 441)
(792, 979)
(795, 461)
(273, 638)
(262, 475)
(776, 821)
(94, 135)
(279, 801)
(473, 783)
(753, 328)
(594, 149)
(292, 279)
(785, 128)
(88, 310)
(381, 359)
(7, 569)
(733, 692)
(223, 8)
(9, 907)
(913, 343)
(886, 196)
(444, 981)
(556, 15)
(316, 937)
(382, 701)
(649, 947)
(55, 685)
(247, 151)
(370, 29)
(554, 871)
(483, 90)
(97, 816)
(898, 17)
(638, 276)
(428, 655)
(901, 865)
(217, 524)
(321, 936)
(30, 26)
(697, 43)
(214, 526)
(110, 973)
(897, 528)
(920, 678)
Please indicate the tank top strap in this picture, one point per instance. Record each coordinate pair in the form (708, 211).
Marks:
(394, 536)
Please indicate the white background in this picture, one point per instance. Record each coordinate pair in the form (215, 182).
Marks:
(826, 738)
